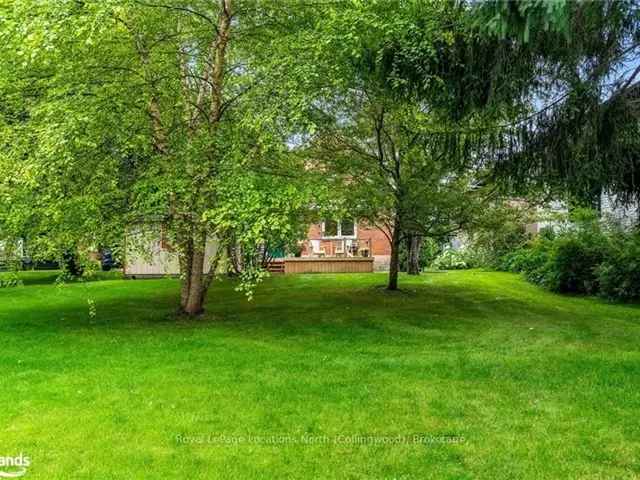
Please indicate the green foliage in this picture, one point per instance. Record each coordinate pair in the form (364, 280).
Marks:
(450, 259)
(497, 230)
(585, 138)
(588, 256)
(571, 265)
(572, 256)
(618, 275)
(527, 259)
(111, 116)
(10, 279)
(250, 278)
(526, 18)
(375, 130)
(429, 250)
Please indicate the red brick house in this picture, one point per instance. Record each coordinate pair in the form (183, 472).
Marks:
(347, 239)
(330, 247)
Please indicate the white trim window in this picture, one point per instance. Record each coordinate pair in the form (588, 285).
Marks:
(333, 229)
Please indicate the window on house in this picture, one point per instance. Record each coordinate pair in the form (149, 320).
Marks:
(331, 228)
(343, 228)
(347, 228)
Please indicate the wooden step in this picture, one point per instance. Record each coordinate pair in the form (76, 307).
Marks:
(276, 267)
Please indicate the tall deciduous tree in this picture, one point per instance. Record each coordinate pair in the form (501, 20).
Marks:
(380, 139)
(118, 112)
(391, 176)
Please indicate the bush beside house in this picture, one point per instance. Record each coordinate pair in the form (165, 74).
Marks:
(450, 260)
(619, 274)
(587, 256)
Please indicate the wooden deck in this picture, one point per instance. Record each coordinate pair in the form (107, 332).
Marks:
(328, 265)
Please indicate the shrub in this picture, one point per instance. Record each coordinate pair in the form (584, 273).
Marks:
(547, 234)
(567, 261)
(450, 260)
(619, 274)
(522, 260)
(501, 229)
(529, 258)
(476, 257)
(571, 264)
(586, 255)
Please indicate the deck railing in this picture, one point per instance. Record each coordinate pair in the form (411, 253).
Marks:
(342, 247)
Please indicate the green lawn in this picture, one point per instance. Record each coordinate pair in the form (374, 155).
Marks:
(317, 378)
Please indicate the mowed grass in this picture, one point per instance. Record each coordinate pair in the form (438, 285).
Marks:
(460, 375)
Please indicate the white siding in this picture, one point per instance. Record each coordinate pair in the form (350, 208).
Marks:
(627, 215)
(145, 256)
(553, 210)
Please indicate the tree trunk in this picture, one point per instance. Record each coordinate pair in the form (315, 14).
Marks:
(234, 260)
(193, 283)
(394, 265)
(413, 254)
(186, 260)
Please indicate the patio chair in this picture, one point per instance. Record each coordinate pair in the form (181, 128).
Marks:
(316, 250)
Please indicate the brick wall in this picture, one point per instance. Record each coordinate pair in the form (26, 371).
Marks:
(379, 243)
(380, 246)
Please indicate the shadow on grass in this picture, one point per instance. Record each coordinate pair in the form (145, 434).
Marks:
(342, 310)
(48, 277)
(29, 278)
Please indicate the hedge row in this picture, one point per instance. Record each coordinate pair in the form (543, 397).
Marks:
(589, 256)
